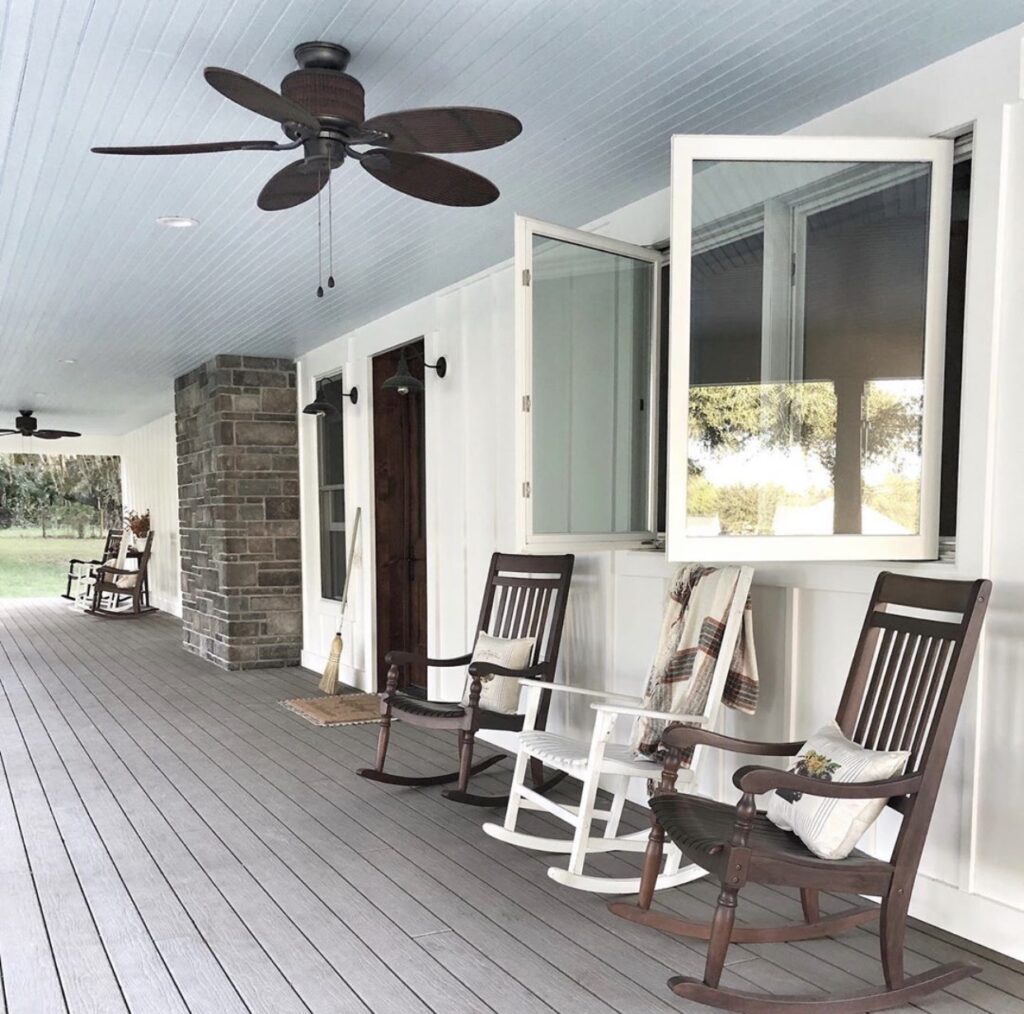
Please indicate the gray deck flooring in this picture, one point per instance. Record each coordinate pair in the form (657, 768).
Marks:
(173, 840)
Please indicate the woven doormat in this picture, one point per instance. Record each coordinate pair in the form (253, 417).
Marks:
(342, 709)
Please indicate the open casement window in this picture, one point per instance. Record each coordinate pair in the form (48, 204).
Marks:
(806, 347)
(586, 330)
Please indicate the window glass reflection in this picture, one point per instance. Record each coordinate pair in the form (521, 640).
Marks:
(807, 348)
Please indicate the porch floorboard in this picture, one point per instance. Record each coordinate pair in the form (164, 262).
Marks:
(173, 840)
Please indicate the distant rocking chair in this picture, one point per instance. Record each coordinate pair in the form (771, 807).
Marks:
(112, 584)
(525, 596)
(81, 572)
(904, 692)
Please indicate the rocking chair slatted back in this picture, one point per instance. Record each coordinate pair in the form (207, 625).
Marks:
(526, 596)
(112, 544)
(910, 670)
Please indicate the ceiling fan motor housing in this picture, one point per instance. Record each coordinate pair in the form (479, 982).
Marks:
(26, 422)
(335, 99)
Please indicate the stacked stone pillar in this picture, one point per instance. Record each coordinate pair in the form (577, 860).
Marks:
(238, 493)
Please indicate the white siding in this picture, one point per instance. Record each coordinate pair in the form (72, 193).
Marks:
(149, 479)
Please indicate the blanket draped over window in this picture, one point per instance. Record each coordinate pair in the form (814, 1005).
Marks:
(696, 609)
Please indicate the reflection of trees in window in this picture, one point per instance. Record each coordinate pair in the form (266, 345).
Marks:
(741, 419)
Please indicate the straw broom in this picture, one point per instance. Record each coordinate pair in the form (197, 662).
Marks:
(329, 683)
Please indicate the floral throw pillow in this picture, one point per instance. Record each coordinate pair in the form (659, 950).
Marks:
(831, 828)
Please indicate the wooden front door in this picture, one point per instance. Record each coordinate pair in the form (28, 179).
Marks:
(399, 479)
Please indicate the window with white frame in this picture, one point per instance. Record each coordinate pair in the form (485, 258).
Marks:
(806, 377)
(587, 325)
(793, 263)
(956, 295)
(331, 473)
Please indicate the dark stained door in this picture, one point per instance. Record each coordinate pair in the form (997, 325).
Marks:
(399, 477)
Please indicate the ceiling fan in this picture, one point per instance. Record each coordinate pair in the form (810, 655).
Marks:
(320, 109)
(27, 425)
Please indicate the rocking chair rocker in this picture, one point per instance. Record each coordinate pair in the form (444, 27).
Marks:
(904, 692)
(525, 596)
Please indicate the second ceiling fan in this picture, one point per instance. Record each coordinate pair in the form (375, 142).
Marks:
(320, 109)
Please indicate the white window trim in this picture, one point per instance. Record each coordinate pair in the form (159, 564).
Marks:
(525, 230)
(688, 149)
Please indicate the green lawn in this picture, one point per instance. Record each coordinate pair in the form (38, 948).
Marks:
(34, 567)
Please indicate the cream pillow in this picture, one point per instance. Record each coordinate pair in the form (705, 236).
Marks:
(126, 581)
(500, 693)
(831, 828)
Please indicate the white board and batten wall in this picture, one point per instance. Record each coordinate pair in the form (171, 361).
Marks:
(807, 615)
(149, 481)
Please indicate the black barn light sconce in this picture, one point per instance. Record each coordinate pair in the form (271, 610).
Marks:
(405, 383)
(321, 406)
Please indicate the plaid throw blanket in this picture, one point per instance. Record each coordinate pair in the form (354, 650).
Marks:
(696, 610)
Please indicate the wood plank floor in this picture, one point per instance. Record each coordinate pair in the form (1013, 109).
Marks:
(174, 840)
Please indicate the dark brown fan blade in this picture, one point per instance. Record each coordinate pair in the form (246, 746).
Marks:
(4, 433)
(446, 129)
(192, 149)
(55, 434)
(258, 98)
(294, 184)
(430, 179)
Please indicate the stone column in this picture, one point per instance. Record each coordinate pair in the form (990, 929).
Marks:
(238, 491)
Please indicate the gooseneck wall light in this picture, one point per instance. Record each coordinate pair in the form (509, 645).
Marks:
(321, 406)
(405, 383)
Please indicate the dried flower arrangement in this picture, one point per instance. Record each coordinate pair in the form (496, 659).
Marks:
(137, 523)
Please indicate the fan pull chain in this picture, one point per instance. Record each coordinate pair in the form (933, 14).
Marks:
(319, 241)
(330, 231)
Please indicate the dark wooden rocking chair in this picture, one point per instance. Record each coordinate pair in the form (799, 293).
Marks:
(525, 596)
(904, 692)
(117, 584)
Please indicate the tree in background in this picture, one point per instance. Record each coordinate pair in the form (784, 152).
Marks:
(9, 491)
(81, 492)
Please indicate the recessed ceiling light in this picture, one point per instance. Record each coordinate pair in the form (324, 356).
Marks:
(68, 362)
(177, 221)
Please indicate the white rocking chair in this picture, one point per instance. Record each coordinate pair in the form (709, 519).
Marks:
(601, 760)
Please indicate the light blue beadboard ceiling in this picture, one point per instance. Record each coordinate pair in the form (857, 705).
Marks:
(600, 85)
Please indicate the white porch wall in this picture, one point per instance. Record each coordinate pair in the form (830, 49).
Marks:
(149, 479)
(807, 615)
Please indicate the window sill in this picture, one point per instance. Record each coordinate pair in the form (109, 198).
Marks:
(853, 577)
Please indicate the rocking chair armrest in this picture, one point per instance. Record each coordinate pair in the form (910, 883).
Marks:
(118, 571)
(479, 669)
(411, 658)
(757, 779)
(92, 563)
(686, 735)
(664, 716)
(582, 691)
